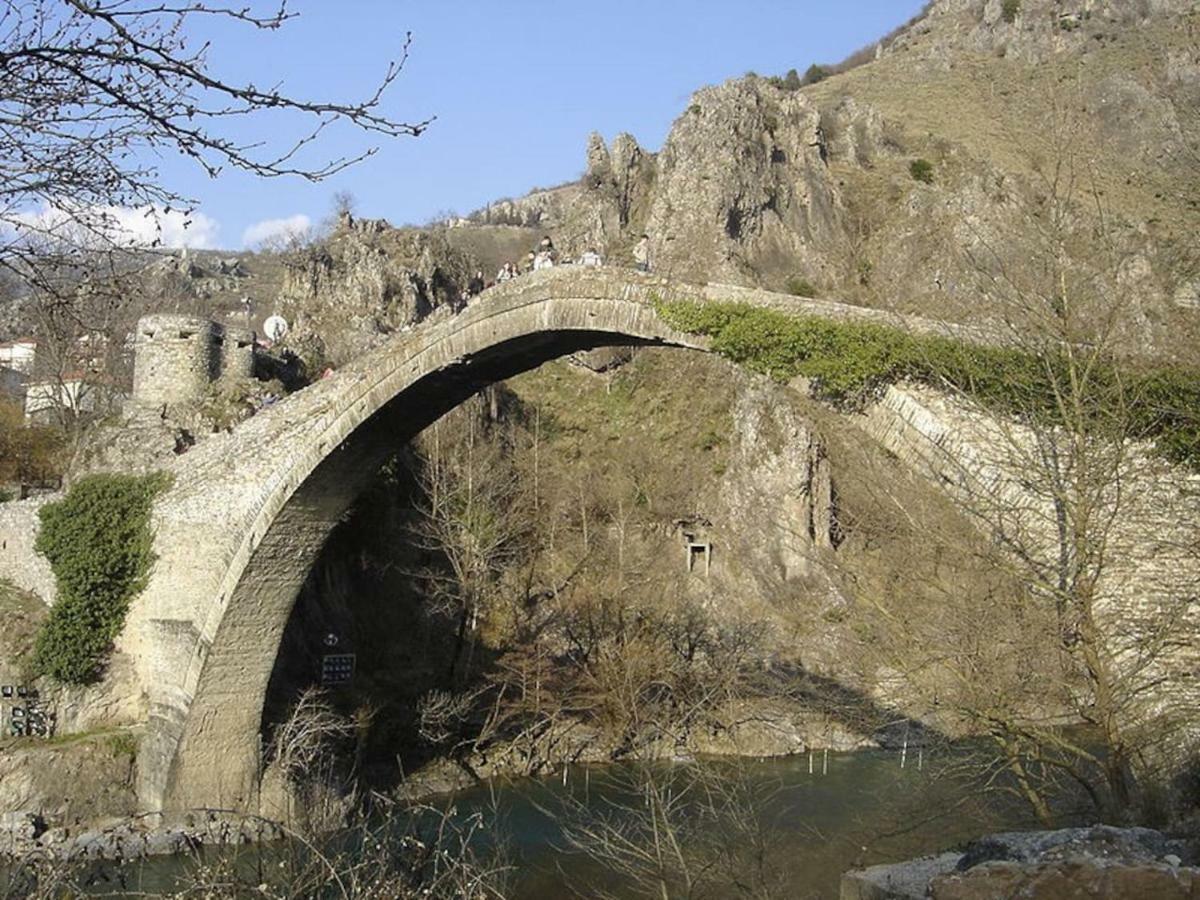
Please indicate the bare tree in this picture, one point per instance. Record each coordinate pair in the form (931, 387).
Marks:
(92, 94)
(94, 89)
(308, 751)
(1063, 652)
(682, 831)
(473, 521)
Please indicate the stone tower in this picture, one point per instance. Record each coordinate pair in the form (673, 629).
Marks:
(175, 359)
(236, 352)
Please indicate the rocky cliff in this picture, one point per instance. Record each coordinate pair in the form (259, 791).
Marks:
(600, 211)
(889, 182)
(365, 281)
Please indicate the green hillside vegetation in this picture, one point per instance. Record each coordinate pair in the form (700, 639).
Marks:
(850, 362)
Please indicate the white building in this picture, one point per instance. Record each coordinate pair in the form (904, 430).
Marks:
(18, 354)
(74, 392)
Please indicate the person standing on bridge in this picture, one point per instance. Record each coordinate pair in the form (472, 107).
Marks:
(475, 285)
(546, 255)
(641, 254)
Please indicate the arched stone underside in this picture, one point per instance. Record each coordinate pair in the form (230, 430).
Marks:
(249, 511)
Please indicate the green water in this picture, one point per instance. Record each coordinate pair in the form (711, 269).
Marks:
(772, 823)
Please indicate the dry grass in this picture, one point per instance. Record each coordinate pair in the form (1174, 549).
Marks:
(991, 108)
(22, 614)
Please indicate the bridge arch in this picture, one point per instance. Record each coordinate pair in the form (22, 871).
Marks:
(250, 511)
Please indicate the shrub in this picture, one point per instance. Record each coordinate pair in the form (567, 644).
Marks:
(921, 170)
(98, 542)
(1009, 10)
(850, 363)
(815, 73)
(122, 745)
(798, 286)
(29, 454)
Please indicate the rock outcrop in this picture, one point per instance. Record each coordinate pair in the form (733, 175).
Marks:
(1100, 862)
(366, 281)
(810, 188)
(62, 786)
(601, 211)
(743, 189)
(778, 489)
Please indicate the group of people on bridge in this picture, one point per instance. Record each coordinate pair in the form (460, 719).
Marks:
(546, 256)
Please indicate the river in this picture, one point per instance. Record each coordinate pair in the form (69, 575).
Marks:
(797, 822)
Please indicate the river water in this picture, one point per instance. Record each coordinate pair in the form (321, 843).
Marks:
(798, 822)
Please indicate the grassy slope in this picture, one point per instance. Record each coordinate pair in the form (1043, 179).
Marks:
(661, 422)
(991, 107)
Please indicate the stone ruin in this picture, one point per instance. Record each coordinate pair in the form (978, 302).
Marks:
(696, 534)
(178, 357)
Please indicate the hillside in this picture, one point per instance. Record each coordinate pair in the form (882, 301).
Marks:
(767, 182)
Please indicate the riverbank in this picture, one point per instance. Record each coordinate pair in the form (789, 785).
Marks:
(24, 838)
(99, 822)
(747, 730)
(807, 820)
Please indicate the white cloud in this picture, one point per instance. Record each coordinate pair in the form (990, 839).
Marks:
(276, 230)
(144, 226)
(170, 229)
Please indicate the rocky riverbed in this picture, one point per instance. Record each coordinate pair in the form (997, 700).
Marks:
(1097, 862)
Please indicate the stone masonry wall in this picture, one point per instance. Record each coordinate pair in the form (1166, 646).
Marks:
(1148, 587)
(174, 360)
(237, 353)
(19, 562)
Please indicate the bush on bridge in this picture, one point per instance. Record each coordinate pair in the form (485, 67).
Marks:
(98, 541)
(851, 362)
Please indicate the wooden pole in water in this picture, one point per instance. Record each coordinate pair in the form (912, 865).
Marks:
(825, 763)
(904, 753)
(810, 760)
(920, 758)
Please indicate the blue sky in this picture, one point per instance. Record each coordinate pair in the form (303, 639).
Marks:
(516, 87)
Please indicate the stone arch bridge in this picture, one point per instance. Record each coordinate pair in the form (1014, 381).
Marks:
(249, 511)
